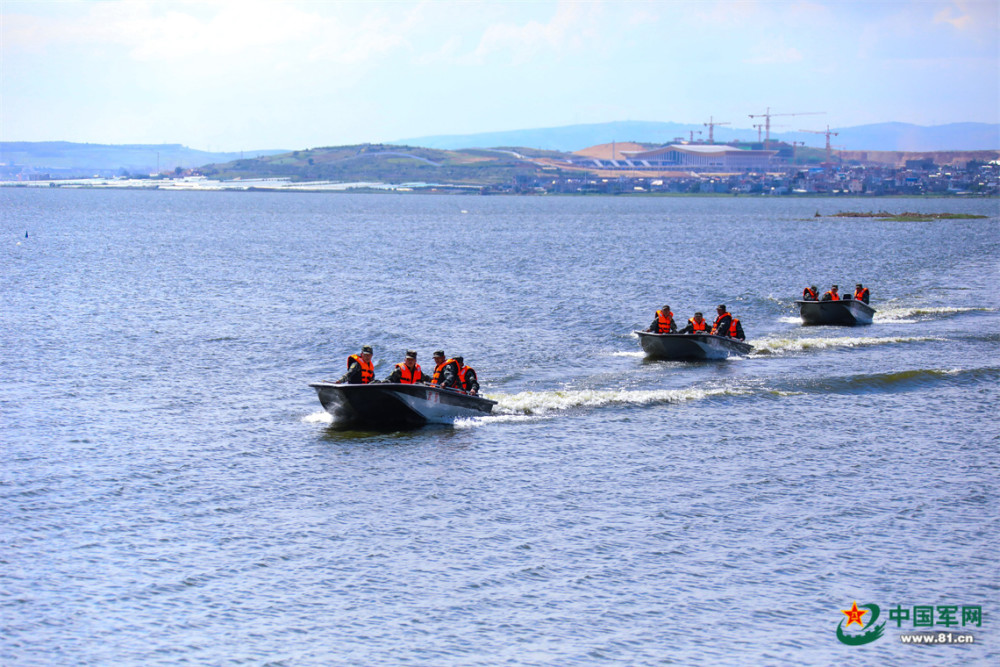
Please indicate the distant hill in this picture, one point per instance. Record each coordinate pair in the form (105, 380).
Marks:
(878, 137)
(485, 159)
(393, 164)
(914, 138)
(72, 159)
(488, 168)
(567, 139)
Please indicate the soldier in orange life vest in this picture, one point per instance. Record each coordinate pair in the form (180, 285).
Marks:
(408, 372)
(727, 325)
(360, 369)
(832, 295)
(696, 324)
(810, 294)
(467, 380)
(736, 329)
(722, 322)
(861, 293)
(663, 322)
(445, 371)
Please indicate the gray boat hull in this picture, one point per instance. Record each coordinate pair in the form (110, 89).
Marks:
(846, 312)
(383, 405)
(691, 346)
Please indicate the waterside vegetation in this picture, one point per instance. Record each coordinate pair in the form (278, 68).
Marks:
(907, 216)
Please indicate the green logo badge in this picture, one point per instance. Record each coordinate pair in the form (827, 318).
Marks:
(855, 615)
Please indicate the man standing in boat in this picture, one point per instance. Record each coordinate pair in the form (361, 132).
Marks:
(445, 371)
(861, 293)
(360, 369)
(810, 294)
(663, 322)
(696, 325)
(467, 380)
(832, 295)
(408, 371)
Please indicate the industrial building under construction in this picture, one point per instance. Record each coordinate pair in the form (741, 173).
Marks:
(717, 157)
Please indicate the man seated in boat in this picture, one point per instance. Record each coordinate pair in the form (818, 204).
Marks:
(832, 295)
(663, 322)
(861, 293)
(445, 371)
(727, 325)
(810, 294)
(736, 329)
(360, 369)
(467, 380)
(408, 371)
(696, 325)
(722, 321)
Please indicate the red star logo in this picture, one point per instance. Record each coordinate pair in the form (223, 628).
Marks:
(854, 615)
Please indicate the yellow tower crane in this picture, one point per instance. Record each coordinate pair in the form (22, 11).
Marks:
(829, 133)
(711, 124)
(767, 121)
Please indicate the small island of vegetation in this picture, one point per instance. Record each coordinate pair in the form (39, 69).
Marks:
(906, 217)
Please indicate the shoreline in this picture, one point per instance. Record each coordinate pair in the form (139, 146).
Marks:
(325, 187)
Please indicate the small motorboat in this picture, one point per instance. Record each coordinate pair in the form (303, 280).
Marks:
(846, 312)
(384, 405)
(691, 346)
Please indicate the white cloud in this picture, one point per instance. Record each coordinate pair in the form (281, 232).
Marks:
(573, 27)
(774, 52)
(979, 17)
(165, 32)
(726, 15)
(450, 51)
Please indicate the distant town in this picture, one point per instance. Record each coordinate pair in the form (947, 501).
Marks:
(679, 167)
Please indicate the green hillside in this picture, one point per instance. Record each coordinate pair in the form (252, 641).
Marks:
(395, 164)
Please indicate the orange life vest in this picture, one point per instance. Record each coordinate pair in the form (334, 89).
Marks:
(436, 378)
(698, 326)
(367, 368)
(462, 383)
(861, 294)
(833, 297)
(406, 376)
(715, 327)
(664, 321)
(732, 327)
(807, 292)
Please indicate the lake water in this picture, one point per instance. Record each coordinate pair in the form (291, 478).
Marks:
(173, 493)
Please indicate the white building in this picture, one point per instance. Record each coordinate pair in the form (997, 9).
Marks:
(705, 156)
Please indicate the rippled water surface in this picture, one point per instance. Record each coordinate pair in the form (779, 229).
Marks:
(173, 493)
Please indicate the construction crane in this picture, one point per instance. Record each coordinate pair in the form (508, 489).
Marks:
(692, 134)
(759, 127)
(828, 134)
(767, 121)
(711, 128)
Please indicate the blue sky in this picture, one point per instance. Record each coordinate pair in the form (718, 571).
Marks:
(245, 74)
